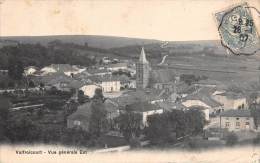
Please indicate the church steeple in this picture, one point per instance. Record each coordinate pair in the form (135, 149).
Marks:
(142, 71)
(142, 58)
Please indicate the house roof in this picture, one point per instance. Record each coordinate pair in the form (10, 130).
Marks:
(232, 95)
(104, 78)
(138, 96)
(55, 78)
(141, 107)
(169, 106)
(204, 94)
(236, 113)
(117, 65)
(64, 67)
(97, 71)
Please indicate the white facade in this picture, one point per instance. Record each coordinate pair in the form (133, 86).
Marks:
(47, 70)
(68, 73)
(29, 71)
(237, 123)
(89, 90)
(190, 103)
(110, 86)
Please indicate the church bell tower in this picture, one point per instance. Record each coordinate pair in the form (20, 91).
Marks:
(142, 71)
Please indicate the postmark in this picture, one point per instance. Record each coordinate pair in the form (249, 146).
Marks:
(237, 30)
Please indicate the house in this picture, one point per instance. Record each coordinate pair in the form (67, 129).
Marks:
(99, 72)
(89, 89)
(81, 118)
(145, 109)
(204, 101)
(60, 81)
(30, 70)
(67, 69)
(110, 86)
(231, 100)
(108, 83)
(169, 106)
(236, 120)
(117, 66)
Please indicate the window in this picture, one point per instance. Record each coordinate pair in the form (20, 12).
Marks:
(237, 124)
(247, 123)
(247, 118)
(237, 118)
(77, 123)
(227, 118)
(227, 124)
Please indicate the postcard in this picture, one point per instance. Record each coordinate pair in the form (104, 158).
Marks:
(129, 81)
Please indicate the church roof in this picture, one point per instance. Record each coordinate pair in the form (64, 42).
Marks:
(142, 58)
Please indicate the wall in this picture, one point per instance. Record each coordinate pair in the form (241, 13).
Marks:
(111, 86)
(233, 120)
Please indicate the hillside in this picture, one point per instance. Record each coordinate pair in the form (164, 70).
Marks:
(104, 42)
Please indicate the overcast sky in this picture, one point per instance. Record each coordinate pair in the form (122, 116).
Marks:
(165, 20)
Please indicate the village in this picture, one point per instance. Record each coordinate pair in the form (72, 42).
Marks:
(124, 102)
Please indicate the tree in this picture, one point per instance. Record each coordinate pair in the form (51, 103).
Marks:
(98, 121)
(130, 124)
(195, 121)
(98, 95)
(255, 112)
(81, 97)
(31, 84)
(15, 68)
(23, 130)
(159, 128)
(231, 139)
(4, 112)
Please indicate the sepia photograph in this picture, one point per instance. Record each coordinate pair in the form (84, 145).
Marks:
(126, 81)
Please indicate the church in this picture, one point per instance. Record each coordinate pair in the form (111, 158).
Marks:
(142, 71)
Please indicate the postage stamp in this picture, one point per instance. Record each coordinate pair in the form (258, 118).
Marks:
(237, 30)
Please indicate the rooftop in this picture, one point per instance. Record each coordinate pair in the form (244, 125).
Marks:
(141, 107)
(236, 113)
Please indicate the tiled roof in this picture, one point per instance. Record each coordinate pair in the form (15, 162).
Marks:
(117, 65)
(169, 106)
(232, 95)
(236, 113)
(141, 107)
(55, 78)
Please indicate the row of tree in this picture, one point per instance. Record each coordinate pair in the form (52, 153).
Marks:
(162, 128)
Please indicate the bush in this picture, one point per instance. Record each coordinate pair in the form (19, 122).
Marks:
(257, 139)
(231, 139)
(134, 143)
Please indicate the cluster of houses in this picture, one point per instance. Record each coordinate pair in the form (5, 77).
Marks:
(145, 91)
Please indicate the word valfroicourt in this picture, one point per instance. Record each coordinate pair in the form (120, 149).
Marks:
(29, 152)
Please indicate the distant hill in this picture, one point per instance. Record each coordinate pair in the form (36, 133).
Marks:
(104, 42)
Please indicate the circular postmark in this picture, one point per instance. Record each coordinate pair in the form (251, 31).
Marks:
(237, 30)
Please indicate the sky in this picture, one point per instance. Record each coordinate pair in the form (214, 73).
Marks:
(170, 20)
